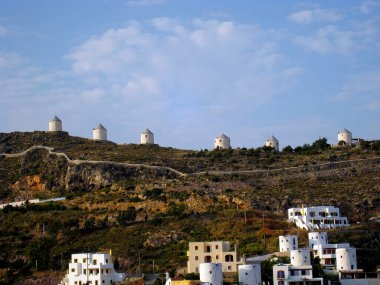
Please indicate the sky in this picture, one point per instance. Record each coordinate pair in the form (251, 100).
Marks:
(191, 70)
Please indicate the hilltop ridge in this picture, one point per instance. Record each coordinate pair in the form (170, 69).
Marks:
(114, 191)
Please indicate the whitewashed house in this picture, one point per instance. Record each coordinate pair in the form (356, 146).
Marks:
(92, 268)
(317, 218)
(99, 133)
(55, 125)
(288, 243)
(299, 271)
(222, 142)
(273, 143)
(345, 136)
(147, 137)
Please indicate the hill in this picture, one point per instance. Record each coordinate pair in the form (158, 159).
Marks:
(117, 200)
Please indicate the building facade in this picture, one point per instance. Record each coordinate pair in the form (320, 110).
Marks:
(316, 218)
(299, 271)
(92, 268)
(288, 243)
(212, 252)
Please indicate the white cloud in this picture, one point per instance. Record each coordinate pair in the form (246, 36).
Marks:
(361, 90)
(329, 39)
(315, 15)
(10, 60)
(204, 60)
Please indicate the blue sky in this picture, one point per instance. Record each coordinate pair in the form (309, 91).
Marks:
(190, 70)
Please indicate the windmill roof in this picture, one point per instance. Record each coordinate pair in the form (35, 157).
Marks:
(100, 126)
(223, 136)
(147, 132)
(345, 131)
(272, 138)
(55, 119)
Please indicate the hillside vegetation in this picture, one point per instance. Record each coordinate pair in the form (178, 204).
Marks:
(155, 213)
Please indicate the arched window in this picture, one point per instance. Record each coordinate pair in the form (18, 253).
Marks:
(208, 259)
(229, 258)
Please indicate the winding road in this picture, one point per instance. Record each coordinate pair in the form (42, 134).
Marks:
(124, 164)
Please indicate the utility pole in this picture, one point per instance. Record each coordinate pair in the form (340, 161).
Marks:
(139, 264)
(265, 242)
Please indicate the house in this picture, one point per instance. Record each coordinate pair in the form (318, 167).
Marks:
(288, 242)
(316, 218)
(299, 271)
(99, 133)
(92, 268)
(212, 252)
(222, 142)
(55, 125)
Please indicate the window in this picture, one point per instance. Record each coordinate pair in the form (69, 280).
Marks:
(217, 257)
(75, 260)
(208, 248)
(94, 262)
(106, 260)
(196, 258)
(84, 260)
(229, 267)
(72, 270)
(84, 271)
(229, 258)
(196, 247)
(294, 241)
(280, 283)
(303, 272)
(207, 259)
(280, 274)
(216, 246)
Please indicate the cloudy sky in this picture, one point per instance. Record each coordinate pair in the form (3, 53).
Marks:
(190, 70)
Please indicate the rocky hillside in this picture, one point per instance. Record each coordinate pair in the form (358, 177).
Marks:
(151, 201)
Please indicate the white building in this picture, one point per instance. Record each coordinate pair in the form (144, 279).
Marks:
(55, 125)
(294, 273)
(212, 252)
(317, 238)
(316, 218)
(211, 273)
(288, 242)
(345, 136)
(336, 256)
(147, 137)
(300, 257)
(99, 133)
(346, 259)
(273, 142)
(222, 142)
(92, 268)
(250, 274)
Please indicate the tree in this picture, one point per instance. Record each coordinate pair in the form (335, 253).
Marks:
(287, 149)
(320, 144)
(39, 253)
(127, 216)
